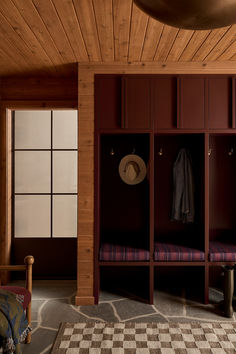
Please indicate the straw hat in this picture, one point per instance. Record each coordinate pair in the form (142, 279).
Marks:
(132, 169)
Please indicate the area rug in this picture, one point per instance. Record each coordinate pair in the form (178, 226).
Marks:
(144, 338)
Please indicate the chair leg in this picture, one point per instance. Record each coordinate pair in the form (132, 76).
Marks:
(28, 315)
(28, 338)
(228, 290)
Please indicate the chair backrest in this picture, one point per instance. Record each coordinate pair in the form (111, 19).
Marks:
(27, 267)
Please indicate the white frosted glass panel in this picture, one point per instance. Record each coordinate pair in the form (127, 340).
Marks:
(64, 216)
(32, 129)
(65, 129)
(32, 216)
(32, 171)
(64, 172)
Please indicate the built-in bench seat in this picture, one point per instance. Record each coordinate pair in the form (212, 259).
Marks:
(164, 251)
(222, 252)
(116, 252)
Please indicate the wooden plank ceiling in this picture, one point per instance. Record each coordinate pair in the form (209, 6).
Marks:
(50, 36)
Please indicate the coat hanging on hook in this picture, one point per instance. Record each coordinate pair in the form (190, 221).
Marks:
(183, 188)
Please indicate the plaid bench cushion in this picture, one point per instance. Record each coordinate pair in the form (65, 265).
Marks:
(221, 252)
(114, 252)
(171, 252)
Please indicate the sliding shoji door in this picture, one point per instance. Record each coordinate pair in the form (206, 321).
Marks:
(45, 189)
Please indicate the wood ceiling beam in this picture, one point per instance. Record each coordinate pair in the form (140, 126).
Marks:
(221, 67)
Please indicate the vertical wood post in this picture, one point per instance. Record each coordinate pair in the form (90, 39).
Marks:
(29, 260)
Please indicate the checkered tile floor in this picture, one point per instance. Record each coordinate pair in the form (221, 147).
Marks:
(144, 338)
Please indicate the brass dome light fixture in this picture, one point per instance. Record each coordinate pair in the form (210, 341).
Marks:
(191, 14)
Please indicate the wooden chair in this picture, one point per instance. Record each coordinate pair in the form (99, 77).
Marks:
(27, 291)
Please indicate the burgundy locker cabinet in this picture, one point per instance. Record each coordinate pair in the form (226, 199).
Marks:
(191, 102)
(136, 103)
(108, 102)
(220, 103)
(164, 102)
(155, 116)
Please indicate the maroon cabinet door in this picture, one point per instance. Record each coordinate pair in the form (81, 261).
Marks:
(136, 103)
(108, 102)
(219, 103)
(191, 103)
(164, 103)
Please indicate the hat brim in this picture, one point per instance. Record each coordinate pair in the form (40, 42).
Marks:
(142, 169)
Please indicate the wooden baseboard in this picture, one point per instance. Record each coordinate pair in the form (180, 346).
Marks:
(84, 300)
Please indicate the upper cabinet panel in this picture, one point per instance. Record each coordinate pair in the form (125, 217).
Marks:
(108, 102)
(136, 103)
(164, 103)
(220, 102)
(191, 113)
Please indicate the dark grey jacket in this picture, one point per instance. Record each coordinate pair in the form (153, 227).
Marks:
(183, 188)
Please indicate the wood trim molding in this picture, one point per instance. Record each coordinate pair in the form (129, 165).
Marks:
(39, 104)
(81, 300)
(180, 67)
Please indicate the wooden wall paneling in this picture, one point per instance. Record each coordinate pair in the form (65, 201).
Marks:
(228, 38)
(39, 89)
(49, 36)
(86, 17)
(8, 64)
(51, 19)
(136, 105)
(139, 21)
(21, 35)
(108, 102)
(209, 43)
(104, 19)
(181, 41)
(193, 45)
(164, 102)
(233, 57)
(38, 27)
(219, 102)
(68, 18)
(85, 265)
(166, 42)
(16, 60)
(121, 22)
(192, 102)
(152, 38)
(229, 53)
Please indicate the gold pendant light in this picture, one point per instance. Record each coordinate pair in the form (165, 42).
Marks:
(191, 14)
